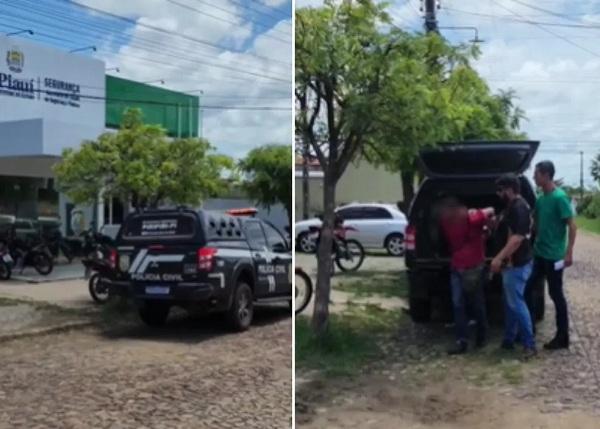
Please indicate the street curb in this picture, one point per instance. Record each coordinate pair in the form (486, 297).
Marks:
(65, 327)
(29, 280)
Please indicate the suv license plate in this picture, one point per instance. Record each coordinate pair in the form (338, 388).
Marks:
(157, 290)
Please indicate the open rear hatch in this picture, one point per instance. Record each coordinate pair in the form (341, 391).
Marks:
(483, 159)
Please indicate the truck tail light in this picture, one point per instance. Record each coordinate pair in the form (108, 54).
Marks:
(113, 258)
(410, 238)
(206, 258)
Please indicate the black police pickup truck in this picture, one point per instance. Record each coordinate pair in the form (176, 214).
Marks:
(200, 260)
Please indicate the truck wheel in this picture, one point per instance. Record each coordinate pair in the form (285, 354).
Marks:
(242, 308)
(154, 313)
(420, 310)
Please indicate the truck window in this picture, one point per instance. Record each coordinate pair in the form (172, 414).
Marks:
(255, 235)
(163, 226)
(274, 238)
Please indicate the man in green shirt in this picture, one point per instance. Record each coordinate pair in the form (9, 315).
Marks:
(553, 216)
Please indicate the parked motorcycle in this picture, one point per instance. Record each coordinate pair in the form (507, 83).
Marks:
(6, 262)
(304, 290)
(102, 269)
(348, 254)
(37, 256)
(57, 244)
(97, 251)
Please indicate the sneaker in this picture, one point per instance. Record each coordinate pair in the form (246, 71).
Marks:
(529, 353)
(459, 348)
(507, 345)
(557, 344)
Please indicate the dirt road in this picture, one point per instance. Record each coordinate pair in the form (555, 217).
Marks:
(191, 374)
(418, 386)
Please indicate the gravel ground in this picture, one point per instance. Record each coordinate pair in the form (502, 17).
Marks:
(560, 389)
(190, 374)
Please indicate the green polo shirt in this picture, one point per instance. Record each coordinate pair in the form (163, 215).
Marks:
(552, 211)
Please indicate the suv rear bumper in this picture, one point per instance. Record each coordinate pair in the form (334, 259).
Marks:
(178, 292)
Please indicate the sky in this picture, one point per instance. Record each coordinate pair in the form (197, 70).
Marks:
(554, 69)
(237, 52)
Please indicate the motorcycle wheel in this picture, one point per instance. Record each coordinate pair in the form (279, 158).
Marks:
(351, 257)
(5, 271)
(98, 290)
(304, 291)
(42, 263)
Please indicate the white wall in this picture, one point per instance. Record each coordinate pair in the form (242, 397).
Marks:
(24, 85)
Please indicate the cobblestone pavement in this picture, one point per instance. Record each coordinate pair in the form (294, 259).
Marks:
(191, 374)
(571, 379)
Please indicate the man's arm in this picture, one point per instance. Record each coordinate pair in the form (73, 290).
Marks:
(513, 243)
(571, 245)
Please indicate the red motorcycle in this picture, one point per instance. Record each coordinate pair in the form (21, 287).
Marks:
(347, 253)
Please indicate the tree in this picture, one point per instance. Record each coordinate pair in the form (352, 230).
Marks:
(342, 63)
(435, 96)
(365, 90)
(269, 176)
(595, 168)
(139, 164)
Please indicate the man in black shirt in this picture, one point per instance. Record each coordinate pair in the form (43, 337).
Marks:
(514, 261)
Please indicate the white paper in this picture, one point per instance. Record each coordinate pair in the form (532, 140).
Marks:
(559, 265)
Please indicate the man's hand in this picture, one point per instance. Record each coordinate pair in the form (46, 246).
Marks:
(568, 260)
(496, 265)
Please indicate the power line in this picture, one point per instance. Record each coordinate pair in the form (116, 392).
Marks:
(549, 12)
(161, 51)
(81, 24)
(68, 95)
(541, 27)
(523, 20)
(281, 13)
(165, 31)
(185, 6)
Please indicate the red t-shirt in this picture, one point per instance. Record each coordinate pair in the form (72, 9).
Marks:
(466, 240)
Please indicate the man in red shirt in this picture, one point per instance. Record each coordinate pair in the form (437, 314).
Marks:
(464, 230)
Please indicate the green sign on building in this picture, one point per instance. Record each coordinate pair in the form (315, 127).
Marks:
(177, 112)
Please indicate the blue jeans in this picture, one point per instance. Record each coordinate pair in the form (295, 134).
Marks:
(517, 317)
(462, 301)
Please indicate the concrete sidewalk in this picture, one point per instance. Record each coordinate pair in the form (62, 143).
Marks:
(72, 294)
(62, 272)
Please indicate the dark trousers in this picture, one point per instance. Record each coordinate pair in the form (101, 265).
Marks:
(462, 302)
(544, 269)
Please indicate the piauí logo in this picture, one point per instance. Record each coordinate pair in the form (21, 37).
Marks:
(15, 59)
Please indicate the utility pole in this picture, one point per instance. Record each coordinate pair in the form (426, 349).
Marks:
(431, 7)
(581, 176)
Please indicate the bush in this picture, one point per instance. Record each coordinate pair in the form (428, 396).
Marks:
(592, 211)
(584, 203)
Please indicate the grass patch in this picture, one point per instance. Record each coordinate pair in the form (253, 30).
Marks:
(591, 225)
(118, 310)
(8, 302)
(350, 343)
(369, 284)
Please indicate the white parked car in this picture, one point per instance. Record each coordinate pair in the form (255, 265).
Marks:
(378, 226)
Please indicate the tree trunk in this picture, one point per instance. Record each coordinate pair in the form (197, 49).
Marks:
(320, 319)
(408, 188)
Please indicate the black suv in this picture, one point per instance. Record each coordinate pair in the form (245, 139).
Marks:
(200, 260)
(467, 171)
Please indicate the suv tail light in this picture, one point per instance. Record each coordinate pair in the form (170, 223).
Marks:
(206, 258)
(113, 258)
(410, 238)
